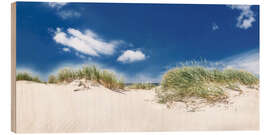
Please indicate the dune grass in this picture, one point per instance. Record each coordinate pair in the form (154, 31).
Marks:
(109, 80)
(144, 86)
(106, 78)
(195, 81)
(27, 77)
(52, 79)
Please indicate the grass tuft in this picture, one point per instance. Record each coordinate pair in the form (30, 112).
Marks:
(27, 77)
(52, 79)
(66, 75)
(195, 81)
(106, 78)
(145, 86)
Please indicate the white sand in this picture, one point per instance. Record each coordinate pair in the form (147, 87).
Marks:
(57, 108)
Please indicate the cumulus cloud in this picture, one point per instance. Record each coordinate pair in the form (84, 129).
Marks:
(88, 43)
(246, 17)
(214, 26)
(56, 5)
(130, 56)
(66, 14)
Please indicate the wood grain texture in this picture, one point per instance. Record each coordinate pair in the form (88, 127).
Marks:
(13, 67)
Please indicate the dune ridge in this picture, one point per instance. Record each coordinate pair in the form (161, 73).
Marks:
(58, 108)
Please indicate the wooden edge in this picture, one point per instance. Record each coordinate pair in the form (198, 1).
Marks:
(13, 67)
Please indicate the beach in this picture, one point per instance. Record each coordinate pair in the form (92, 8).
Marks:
(58, 108)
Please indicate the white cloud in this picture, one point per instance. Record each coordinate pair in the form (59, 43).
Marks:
(131, 56)
(66, 49)
(214, 26)
(57, 5)
(248, 61)
(87, 43)
(66, 14)
(246, 17)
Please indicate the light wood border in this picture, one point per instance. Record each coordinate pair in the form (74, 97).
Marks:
(13, 67)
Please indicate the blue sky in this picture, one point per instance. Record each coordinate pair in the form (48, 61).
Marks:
(137, 41)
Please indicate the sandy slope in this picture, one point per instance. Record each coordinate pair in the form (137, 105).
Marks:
(57, 108)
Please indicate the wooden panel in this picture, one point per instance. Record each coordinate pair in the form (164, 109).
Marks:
(89, 104)
(13, 67)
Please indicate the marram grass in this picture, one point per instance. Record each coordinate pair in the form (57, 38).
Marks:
(27, 77)
(106, 78)
(52, 79)
(195, 81)
(144, 86)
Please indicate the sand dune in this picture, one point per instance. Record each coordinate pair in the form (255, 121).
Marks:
(58, 108)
